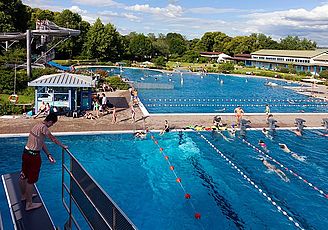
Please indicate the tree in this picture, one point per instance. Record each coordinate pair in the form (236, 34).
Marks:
(194, 45)
(261, 41)
(103, 42)
(239, 44)
(14, 16)
(160, 46)
(206, 43)
(295, 43)
(177, 43)
(214, 41)
(72, 46)
(140, 47)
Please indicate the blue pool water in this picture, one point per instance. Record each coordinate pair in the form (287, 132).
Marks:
(215, 93)
(136, 175)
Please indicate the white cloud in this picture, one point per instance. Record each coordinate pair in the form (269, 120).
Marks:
(131, 17)
(110, 14)
(214, 10)
(46, 4)
(312, 24)
(99, 3)
(77, 9)
(168, 11)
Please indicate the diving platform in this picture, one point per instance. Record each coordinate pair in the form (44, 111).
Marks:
(27, 220)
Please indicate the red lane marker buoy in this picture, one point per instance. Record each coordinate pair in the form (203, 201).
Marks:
(197, 215)
(156, 142)
(327, 196)
(172, 167)
(166, 157)
(187, 196)
(179, 180)
(152, 137)
(160, 149)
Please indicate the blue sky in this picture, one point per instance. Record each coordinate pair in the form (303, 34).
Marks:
(278, 18)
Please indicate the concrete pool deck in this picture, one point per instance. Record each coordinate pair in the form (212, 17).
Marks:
(19, 124)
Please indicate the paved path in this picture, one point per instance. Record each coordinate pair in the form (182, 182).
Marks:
(124, 122)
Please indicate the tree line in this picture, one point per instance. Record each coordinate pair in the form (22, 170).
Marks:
(103, 42)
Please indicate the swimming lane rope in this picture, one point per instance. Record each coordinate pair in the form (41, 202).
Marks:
(178, 179)
(234, 166)
(324, 194)
(232, 100)
(235, 105)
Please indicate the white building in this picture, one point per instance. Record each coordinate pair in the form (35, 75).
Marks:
(313, 61)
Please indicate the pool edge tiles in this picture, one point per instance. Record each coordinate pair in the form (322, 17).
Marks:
(133, 131)
(230, 114)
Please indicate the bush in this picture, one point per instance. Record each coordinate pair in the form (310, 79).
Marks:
(224, 67)
(283, 70)
(324, 74)
(241, 63)
(117, 83)
(159, 61)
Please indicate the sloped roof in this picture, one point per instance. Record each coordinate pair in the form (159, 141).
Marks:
(323, 57)
(64, 80)
(291, 53)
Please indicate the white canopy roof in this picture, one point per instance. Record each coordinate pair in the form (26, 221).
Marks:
(64, 80)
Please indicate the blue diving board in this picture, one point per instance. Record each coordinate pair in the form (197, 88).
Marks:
(25, 220)
(58, 66)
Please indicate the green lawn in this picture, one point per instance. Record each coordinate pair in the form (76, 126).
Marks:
(22, 99)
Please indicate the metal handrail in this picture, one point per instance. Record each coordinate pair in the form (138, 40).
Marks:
(68, 207)
(1, 225)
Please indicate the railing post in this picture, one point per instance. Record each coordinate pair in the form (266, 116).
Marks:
(114, 217)
(70, 193)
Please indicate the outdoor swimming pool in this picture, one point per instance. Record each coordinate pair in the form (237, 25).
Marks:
(137, 176)
(217, 93)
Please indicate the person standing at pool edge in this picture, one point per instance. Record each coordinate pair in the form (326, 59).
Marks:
(31, 159)
(239, 112)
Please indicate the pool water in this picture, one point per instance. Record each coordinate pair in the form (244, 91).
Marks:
(213, 93)
(137, 176)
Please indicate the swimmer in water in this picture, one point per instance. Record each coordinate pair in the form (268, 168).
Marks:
(273, 168)
(266, 133)
(232, 130)
(263, 145)
(287, 150)
(298, 132)
(141, 135)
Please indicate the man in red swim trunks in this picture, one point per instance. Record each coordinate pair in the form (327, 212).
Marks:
(32, 160)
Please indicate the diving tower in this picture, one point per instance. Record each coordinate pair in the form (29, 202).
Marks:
(27, 220)
(86, 203)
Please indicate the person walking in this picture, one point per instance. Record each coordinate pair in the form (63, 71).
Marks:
(104, 103)
(31, 159)
(239, 113)
(133, 113)
(114, 116)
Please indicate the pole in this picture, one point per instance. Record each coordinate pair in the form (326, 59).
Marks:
(28, 53)
(15, 79)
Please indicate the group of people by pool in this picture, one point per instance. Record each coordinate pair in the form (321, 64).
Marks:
(101, 108)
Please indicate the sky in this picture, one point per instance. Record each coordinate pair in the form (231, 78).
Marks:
(192, 18)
